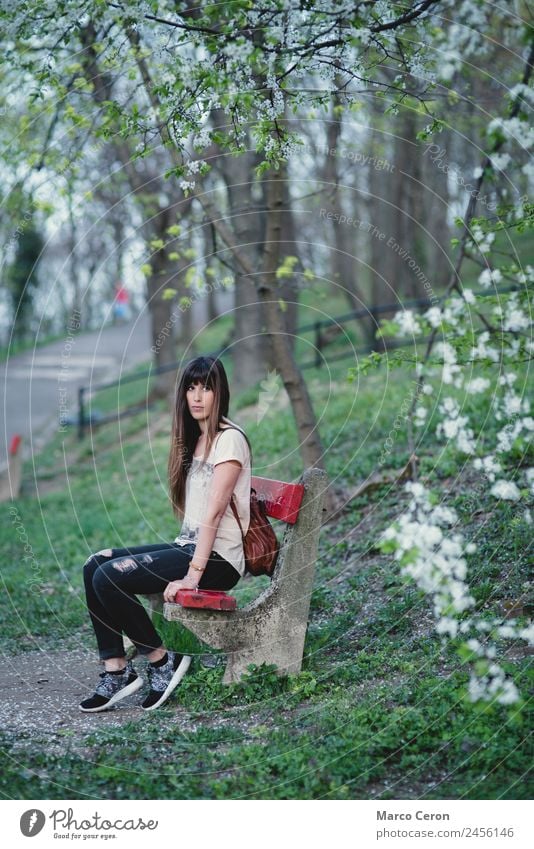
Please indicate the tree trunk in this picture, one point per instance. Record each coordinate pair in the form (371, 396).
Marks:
(382, 259)
(288, 287)
(344, 266)
(249, 348)
(76, 303)
(409, 219)
(308, 433)
(436, 204)
(213, 310)
(162, 316)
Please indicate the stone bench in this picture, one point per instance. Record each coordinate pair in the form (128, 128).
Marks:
(271, 629)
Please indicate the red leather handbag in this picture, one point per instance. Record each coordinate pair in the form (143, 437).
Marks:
(259, 543)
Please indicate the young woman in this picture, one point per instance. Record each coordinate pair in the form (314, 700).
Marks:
(209, 463)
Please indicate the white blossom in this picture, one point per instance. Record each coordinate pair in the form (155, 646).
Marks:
(483, 350)
(525, 91)
(527, 634)
(407, 322)
(420, 416)
(202, 139)
(434, 561)
(507, 379)
(500, 161)
(507, 692)
(516, 319)
(507, 490)
(489, 276)
(477, 385)
(193, 167)
(526, 275)
(490, 466)
(506, 631)
(482, 240)
(455, 426)
(451, 370)
(516, 129)
(434, 316)
(447, 625)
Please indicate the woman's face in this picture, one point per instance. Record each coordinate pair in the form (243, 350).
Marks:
(200, 401)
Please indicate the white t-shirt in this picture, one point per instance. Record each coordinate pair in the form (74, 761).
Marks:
(229, 444)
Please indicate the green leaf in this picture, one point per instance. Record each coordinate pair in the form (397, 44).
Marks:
(287, 268)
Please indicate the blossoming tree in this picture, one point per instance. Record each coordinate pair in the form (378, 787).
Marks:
(477, 344)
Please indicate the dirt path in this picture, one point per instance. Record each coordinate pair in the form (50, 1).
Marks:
(40, 692)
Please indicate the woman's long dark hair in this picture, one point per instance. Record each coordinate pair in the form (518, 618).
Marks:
(185, 429)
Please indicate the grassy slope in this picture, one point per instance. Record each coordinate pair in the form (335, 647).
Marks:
(378, 709)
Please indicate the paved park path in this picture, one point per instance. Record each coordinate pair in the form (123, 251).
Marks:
(41, 385)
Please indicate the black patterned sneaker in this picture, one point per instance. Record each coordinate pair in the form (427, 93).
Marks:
(112, 687)
(164, 679)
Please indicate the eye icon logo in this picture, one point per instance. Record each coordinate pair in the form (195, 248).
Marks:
(32, 822)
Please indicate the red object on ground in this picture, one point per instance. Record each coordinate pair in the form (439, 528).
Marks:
(209, 599)
(282, 500)
(14, 444)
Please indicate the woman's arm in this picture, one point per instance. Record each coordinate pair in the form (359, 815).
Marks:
(224, 479)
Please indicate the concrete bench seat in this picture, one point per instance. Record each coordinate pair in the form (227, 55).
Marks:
(272, 628)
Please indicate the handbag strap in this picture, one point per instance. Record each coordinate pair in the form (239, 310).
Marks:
(234, 511)
(232, 505)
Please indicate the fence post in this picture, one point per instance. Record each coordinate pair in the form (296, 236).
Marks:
(318, 345)
(81, 412)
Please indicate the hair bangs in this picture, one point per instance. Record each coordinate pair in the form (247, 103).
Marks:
(201, 370)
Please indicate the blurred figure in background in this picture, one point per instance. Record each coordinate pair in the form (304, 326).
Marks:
(121, 304)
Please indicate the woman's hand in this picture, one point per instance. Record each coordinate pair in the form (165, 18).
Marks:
(187, 583)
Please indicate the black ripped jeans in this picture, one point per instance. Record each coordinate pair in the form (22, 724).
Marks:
(111, 584)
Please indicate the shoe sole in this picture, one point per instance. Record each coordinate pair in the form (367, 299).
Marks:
(184, 665)
(126, 691)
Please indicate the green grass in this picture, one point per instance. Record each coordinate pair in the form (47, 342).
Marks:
(20, 346)
(384, 738)
(379, 708)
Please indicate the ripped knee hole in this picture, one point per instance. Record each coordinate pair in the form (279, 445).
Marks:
(126, 564)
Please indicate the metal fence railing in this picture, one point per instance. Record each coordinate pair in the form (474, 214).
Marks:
(317, 327)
